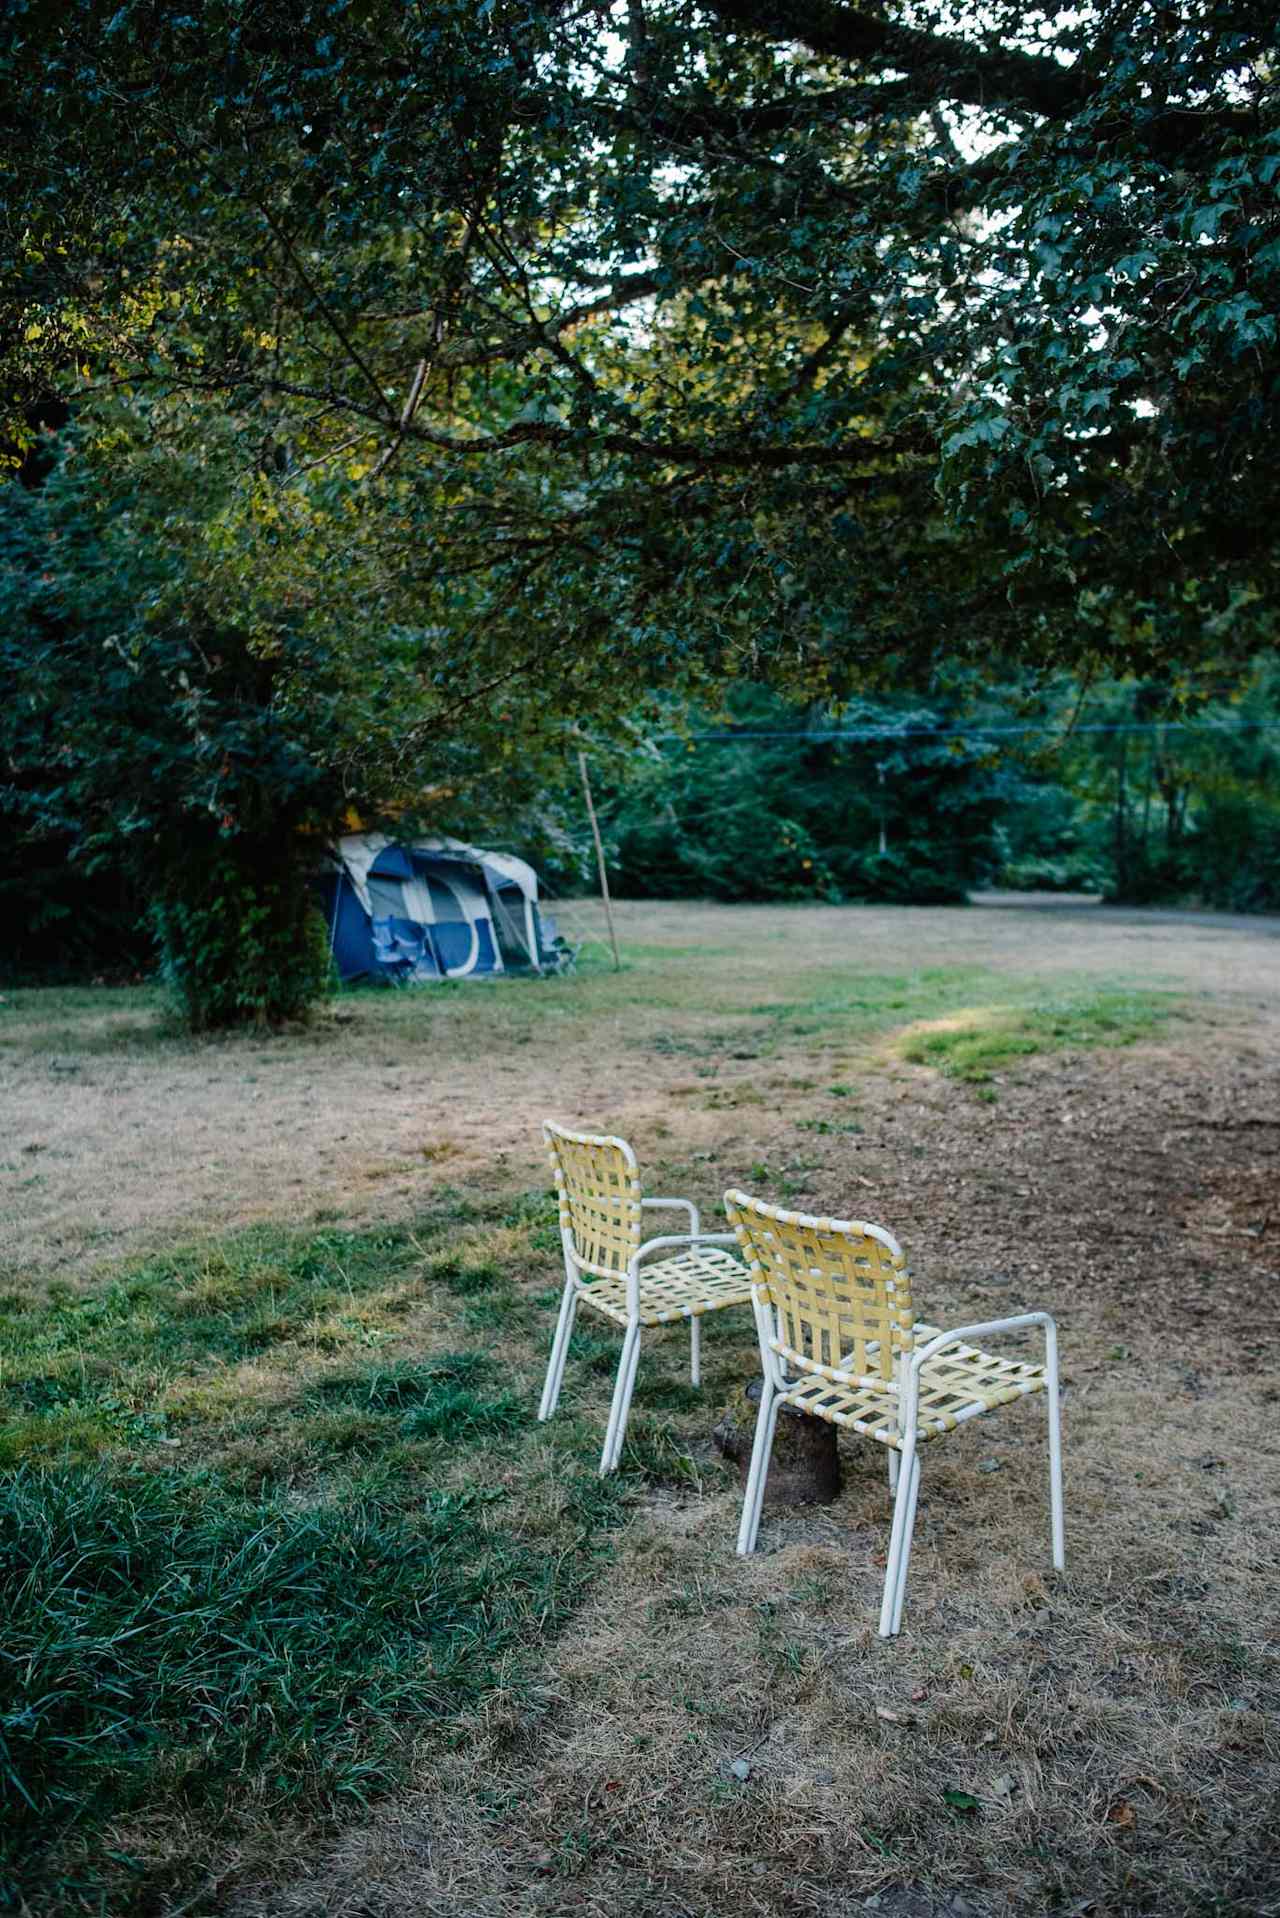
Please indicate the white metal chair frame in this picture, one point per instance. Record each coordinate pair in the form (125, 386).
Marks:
(904, 1437)
(577, 1288)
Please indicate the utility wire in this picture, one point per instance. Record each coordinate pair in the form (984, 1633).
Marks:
(908, 733)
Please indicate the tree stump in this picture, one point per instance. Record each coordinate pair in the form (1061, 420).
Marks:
(804, 1468)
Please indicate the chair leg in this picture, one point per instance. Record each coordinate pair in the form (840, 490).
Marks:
(902, 1499)
(623, 1387)
(893, 1469)
(908, 1532)
(695, 1350)
(758, 1472)
(559, 1350)
(1056, 1527)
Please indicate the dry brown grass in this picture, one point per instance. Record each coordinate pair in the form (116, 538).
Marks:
(1115, 1729)
(117, 1134)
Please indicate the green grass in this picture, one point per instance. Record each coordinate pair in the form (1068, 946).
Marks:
(464, 1275)
(276, 1511)
(676, 1001)
(168, 1645)
(445, 1397)
(84, 1370)
(162, 1636)
(977, 1041)
(254, 1543)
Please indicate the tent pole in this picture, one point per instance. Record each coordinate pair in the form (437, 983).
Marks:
(604, 878)
(531, 936)
(428, 940)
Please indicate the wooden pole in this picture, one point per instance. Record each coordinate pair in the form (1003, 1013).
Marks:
(604, 877)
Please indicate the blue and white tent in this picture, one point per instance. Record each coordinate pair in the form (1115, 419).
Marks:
(433, 909)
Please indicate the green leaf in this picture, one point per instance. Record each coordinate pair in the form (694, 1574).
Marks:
(1206, 220)
(963, 1802)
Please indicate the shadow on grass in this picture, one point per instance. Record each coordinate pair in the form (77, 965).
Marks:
(235, 1579)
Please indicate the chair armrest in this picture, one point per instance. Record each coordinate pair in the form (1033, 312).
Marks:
(674, 1205)
(684, 1238)
(981, 1330)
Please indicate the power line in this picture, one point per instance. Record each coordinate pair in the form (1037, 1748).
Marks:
(907, 734)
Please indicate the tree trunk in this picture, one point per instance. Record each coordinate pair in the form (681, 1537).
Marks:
(804, 1468)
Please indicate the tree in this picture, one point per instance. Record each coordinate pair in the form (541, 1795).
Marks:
(761, 801)
(1164, 809)
(197, 700)
(944, 340)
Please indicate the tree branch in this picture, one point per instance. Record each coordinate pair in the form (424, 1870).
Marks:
(941, 67)
(953, 68)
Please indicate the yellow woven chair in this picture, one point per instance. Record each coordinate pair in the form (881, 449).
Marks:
(601, 1205)
(839, 1340)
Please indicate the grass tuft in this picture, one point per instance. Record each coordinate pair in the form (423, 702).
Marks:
(443, 1397)
(976, 1041)
(395, 1388)
(462, 1273)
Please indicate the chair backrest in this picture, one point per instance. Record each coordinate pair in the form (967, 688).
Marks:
(841, 1290)
(386, 948)
(598, 1186)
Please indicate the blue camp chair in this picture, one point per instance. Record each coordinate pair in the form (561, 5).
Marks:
(409, 940)
(401, 948)
(385, 950)
(555, 953)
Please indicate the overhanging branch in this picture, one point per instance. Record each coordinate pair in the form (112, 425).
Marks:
(940, 67)
(952, 68)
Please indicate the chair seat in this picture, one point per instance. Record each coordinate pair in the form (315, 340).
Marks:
(958, 1383)
(683, 1287)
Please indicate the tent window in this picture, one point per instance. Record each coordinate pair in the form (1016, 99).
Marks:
(509, 919)
(445, 903)
(386, 898)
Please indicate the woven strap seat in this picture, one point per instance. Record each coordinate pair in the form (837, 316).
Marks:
(957, 1384)
(683, 1287)
(610, 1265)
(839, 1340)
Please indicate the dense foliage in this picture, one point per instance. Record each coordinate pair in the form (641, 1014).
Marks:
(767, 805)
(755, 798)
(939, 340)
(1097, 789)
(197, 698)
(148, 730)
(1145, 806)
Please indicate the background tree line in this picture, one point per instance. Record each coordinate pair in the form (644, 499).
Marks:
(755, 799)
(1079, 790)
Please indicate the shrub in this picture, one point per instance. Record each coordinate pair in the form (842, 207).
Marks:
(241, 939)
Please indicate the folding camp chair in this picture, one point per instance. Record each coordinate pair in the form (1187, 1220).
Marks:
(838, 1340)
(389, 949)
(598, 1187)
